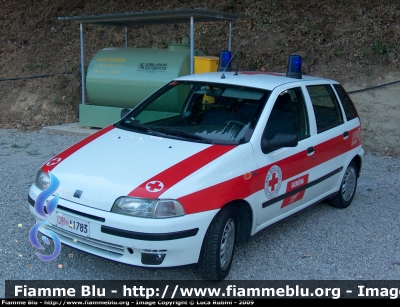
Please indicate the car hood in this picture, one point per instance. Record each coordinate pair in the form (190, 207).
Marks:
(113, 163)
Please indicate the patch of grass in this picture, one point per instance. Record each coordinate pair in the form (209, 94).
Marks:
(380, 49)
(32, 67)
(20, 146)
(230, 4)
(273, 8)
(44, 65)
(308, 24)
(254, 65)
(338, 51)
(29, 67)
(110, 40)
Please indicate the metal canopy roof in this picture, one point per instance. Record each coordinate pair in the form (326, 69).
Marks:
(155, 17)
(151, 18)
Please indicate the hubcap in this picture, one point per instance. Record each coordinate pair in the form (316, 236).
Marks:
(349, 183)
(227, 242)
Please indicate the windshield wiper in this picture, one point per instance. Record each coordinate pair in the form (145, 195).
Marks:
(139, 124)
(186, 135)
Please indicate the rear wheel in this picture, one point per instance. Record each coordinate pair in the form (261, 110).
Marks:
(218, 246)
(347, 188)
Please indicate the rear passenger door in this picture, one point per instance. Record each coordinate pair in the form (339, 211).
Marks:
(330, 140)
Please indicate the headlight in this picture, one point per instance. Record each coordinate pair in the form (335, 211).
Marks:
(42, 180)
(150, 208)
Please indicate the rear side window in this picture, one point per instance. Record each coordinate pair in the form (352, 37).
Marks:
(326, 108)
(348, 105)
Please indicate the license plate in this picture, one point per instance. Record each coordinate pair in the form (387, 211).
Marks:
(72, 224)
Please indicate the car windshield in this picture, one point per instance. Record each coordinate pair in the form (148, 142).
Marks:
(199, 112)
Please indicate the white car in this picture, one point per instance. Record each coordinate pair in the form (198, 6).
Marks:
(204, 162)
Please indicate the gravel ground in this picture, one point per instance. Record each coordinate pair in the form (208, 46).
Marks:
(361, 242)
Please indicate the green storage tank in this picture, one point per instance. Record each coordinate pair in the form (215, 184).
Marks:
(120, 78)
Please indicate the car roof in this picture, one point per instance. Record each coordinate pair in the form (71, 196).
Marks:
(255, 79)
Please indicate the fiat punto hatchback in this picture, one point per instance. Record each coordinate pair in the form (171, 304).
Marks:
(206, 161)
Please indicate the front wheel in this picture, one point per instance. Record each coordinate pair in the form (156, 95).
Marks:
(347, 188)
(218, 246)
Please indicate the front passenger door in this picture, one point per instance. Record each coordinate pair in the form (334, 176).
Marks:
(284, 171)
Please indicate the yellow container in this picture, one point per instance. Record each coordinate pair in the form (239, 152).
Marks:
(204, 64)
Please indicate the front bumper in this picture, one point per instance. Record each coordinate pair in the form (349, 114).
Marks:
(136, 241)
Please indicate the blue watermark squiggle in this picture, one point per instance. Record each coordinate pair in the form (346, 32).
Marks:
(52, 204)
(41, 210)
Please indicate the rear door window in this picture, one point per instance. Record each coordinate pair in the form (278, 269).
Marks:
(326, 107)
(347, 103)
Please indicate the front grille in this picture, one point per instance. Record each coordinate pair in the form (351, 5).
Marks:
(90, 216)
(73, 239)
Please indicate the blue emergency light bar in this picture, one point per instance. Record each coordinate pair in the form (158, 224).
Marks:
(225, 61)
(294, 67)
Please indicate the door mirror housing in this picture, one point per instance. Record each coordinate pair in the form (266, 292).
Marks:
(124, 112)
(281, 139)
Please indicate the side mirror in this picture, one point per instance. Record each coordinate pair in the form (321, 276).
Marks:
(124, 112)
(281, 139)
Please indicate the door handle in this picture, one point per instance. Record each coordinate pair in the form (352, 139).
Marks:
(345, 135)
(310, 151)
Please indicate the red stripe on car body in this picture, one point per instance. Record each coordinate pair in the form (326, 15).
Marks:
(261, 73)
(53, 162)
(179, 171)
(216, 196)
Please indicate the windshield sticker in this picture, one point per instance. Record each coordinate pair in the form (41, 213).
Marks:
(273, 182)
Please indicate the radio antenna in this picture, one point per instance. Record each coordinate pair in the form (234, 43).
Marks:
(223, 76)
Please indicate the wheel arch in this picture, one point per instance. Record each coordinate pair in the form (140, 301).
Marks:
(358, 161)
(244, 219)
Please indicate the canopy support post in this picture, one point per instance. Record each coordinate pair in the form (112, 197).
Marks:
(230, 37)
(126, 36)
(82, 64)
(191, 45)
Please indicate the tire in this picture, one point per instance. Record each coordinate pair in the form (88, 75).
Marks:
(218, 246)
(347, 189)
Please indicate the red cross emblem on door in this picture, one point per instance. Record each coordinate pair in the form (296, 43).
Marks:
(273, 182)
